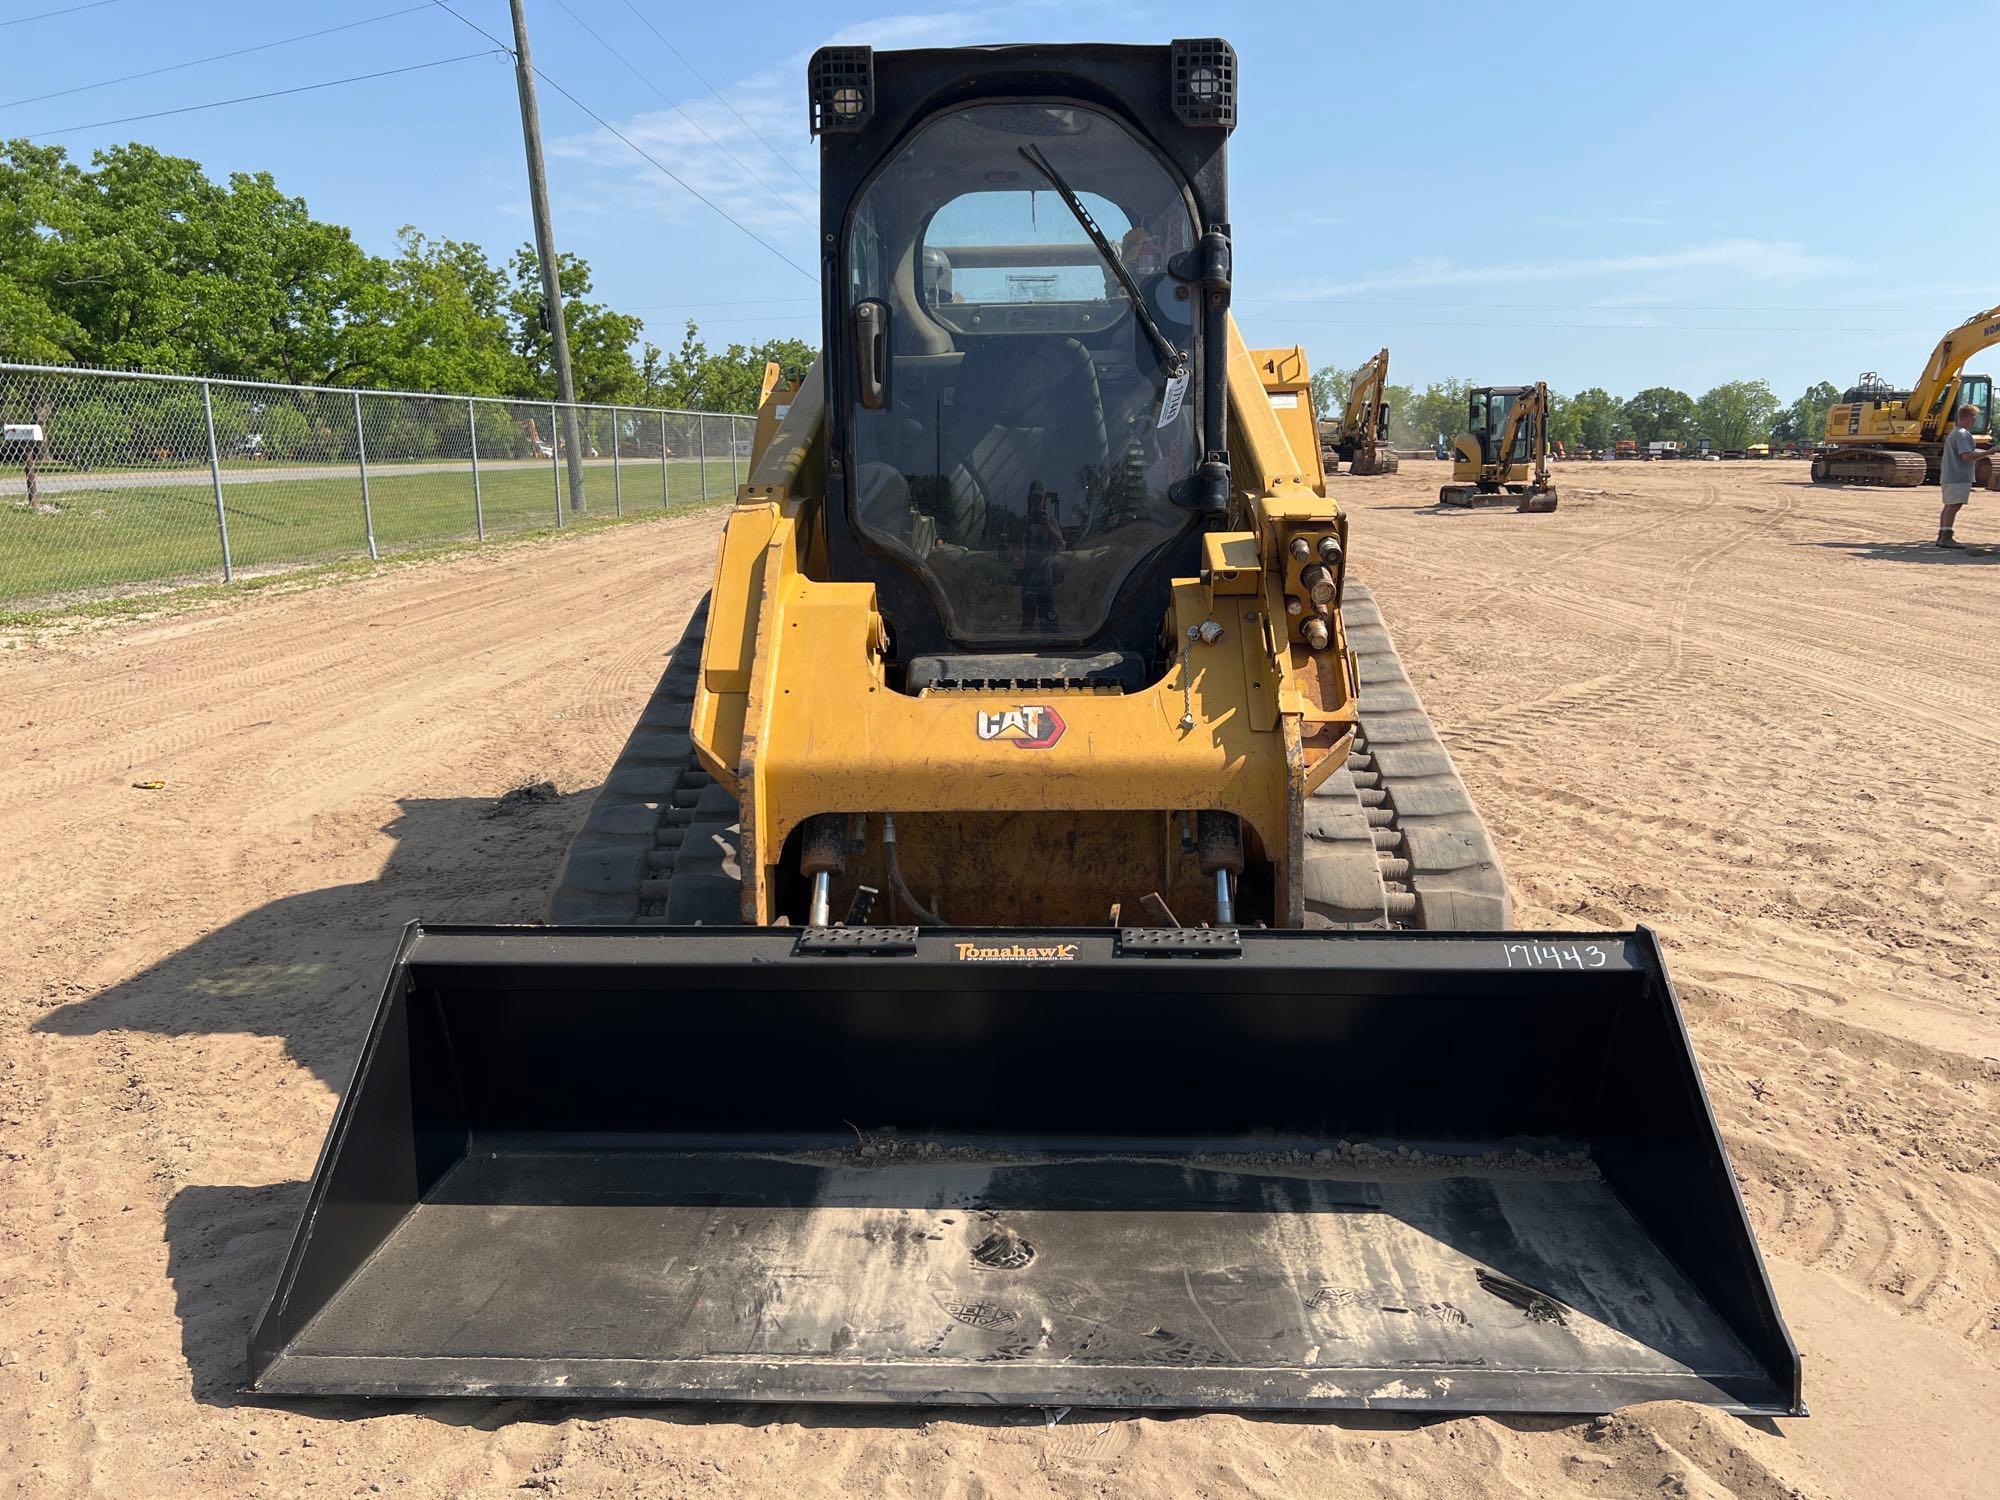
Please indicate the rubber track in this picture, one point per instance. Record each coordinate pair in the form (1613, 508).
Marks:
(659, 845)
(1391, 839)
(1888, 467)
(1425, 818)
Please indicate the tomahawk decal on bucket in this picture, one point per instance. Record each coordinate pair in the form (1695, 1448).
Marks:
(1032, 726)
(1015, 953)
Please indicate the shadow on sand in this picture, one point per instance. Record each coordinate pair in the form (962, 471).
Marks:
(307, 969)
(1972, 554)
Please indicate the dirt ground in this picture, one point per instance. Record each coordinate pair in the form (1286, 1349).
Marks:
(1706, 697)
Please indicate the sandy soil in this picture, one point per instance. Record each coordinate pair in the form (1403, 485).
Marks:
(1706, 697)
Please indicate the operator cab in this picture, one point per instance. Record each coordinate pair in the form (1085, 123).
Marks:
(1487, 410)
(1973, 390)
(1026, 371)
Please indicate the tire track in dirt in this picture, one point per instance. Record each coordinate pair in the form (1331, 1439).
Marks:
(271, 679)
(207, 975)
(1656, 670)
(309, 640)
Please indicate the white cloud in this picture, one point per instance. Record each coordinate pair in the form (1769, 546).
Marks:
(1763, 259)
(776, 196)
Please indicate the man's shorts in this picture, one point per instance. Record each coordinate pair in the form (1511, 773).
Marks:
(1956, 494)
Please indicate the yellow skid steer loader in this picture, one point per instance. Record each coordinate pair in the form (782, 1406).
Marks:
(1034, 948)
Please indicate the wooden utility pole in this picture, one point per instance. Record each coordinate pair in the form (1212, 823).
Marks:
(545, 251)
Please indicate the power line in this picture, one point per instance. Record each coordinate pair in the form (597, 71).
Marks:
(1770, 307)
(741, 302)
(685, 115)
(658, 165)
(503, 46)
(304, 88)
(1812, 328)
(783, 159)
(69, 10)
(696, 193)
(84, 88)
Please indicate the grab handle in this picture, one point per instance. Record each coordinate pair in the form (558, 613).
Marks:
(871, 351)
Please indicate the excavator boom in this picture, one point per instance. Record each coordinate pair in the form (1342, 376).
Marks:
(1361, 440)
(1932, 395)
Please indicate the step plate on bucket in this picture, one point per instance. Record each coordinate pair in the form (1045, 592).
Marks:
(548, 1247)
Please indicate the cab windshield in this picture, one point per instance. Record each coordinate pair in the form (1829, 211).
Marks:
(1488, 416)
(1023, 443)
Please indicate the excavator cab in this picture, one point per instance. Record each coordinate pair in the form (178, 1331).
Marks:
(1487, 410)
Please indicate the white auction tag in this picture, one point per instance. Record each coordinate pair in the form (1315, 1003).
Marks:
(1171, 399)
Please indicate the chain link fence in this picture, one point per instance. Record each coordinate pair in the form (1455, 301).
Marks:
(114, 482)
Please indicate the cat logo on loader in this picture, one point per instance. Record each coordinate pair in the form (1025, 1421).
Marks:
(1030, 727)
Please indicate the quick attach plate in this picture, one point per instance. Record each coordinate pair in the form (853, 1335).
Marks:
(1180, 942)
(879, 941)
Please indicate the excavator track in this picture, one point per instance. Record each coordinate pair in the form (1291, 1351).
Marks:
(1888, 467)
(1391, 839)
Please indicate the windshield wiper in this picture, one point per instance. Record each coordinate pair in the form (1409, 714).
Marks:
(1170, 355)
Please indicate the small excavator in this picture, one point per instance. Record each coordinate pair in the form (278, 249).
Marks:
(1503, 455)
(1360, 439)
(1034, 948)
(1876, 434)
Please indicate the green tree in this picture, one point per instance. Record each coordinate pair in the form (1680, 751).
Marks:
(1329, 392)
(142, 261)
(1595, 419)
(1804, 421)
(287, 434)
(1736, 413)
(89, 434)
(1399, 399)
(1660, 414)
(35, 183)
(1440, 407)
(699, 379)
(431, 318)
(1562, 426)
(600, 340)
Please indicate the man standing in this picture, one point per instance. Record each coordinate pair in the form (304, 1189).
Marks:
(1955, 473)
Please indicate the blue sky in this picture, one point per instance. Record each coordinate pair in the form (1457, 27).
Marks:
(1610, 195)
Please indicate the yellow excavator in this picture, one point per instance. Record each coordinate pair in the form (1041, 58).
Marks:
(1876, 434)
(1360, 438)
(1503, 455)
(1034, 948)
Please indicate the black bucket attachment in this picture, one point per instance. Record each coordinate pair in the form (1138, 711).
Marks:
(1292, 1169)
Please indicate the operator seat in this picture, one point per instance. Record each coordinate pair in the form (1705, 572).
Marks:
(1024, 407)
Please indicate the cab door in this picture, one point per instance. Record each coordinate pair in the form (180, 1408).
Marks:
(1974, 390)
